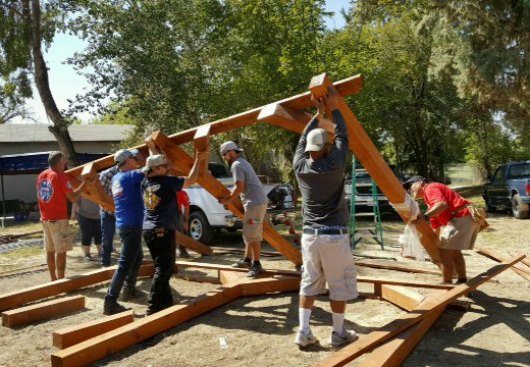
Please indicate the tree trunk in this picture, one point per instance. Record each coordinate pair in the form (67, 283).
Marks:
(59, 129)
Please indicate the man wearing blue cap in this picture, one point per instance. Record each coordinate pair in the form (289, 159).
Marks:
(129, 212)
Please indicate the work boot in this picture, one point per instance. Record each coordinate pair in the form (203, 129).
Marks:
(254, 271)
(347, 336)
(242, 264)
(305, 339)
(113, 308)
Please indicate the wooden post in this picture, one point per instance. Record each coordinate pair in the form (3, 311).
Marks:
(41, 311)
(520, 269)
(402, 297)
(71, 335)
(191, 244)
(368, 154)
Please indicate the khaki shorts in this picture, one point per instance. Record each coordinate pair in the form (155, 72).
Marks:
(253, 223)
(328, 258)
(466, 236)
(57, 235)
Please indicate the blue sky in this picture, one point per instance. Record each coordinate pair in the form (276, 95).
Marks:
(65, 82)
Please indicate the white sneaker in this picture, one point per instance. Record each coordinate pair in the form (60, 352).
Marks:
(347, 336)
(305, 339)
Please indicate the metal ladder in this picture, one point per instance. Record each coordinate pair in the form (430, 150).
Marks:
(375, 231)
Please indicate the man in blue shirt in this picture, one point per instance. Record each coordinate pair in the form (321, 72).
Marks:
(129, 212)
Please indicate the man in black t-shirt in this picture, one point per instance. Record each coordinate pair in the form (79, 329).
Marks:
(161, 221)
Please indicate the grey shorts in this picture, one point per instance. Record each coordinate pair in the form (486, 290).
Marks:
(253, 223)
(328, 258)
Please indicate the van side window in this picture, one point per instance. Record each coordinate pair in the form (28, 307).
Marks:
(499, 174)
(519, 171)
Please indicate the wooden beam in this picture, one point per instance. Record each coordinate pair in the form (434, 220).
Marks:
(192, 245)
(42, 311)
(207, 266)
(175, 154)
(71, 335)
(402, 297)
(345, 87)
(227, 276)
(200, 140)
(402, 268)
(368, 154)
(20, 297)
(520, 269)
(424, 309)
(113, 341)
(394, 352)
(270, 285)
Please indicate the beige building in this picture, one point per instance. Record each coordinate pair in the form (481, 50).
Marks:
(31, 138)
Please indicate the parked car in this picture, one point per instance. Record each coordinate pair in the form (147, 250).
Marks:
(207, 215)
(364, 200)
(509, 189)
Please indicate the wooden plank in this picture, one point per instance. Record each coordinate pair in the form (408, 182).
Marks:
(368, 154)
(71, 335)
(23, 296)
(200, 140)
(345, 87)
(377, 337)
(520, 269)
(179, 157)
(394, 352)
(192, 245)
(270, 285)
(402, 268)
(42, 311)
(402, 297)
(207, 266)
(118, 339)
(227, 276)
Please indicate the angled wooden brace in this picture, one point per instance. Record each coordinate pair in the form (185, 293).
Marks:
(174, 153)
(368, 154)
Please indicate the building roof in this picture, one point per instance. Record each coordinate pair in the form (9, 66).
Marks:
(22, 133)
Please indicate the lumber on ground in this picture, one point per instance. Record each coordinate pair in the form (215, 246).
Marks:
(394, 352)
(345, 87)
(23, 296)
(520, 269)
(424, 309)
(71, 335)
(192, 244)
(105, 344)
(368, 154)
(402, 297)
(41, 311)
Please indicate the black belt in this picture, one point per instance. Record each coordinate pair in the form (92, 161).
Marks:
(325, 231)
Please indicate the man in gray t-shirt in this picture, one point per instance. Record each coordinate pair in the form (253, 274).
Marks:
(248, 187)
(319, 167)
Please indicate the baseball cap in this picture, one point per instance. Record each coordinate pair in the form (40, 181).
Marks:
(412, 180)
(230, 145)
(123, 154)
(154, 161)
(316, 140)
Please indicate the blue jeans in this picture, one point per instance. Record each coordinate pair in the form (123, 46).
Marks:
(129, 263)
(108, 227)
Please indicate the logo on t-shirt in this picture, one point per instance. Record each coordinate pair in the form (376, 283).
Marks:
(151, 200)
(117, 189)
(45, 191)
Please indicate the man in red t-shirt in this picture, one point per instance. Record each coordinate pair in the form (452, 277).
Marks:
(53, 189)
(183, 205)
(451, 221)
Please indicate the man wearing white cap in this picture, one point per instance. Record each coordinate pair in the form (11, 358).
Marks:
(129, 212)
(255, 202)
(326, 253)
(161, 221)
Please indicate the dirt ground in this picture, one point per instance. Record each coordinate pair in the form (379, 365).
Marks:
(260, 331)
